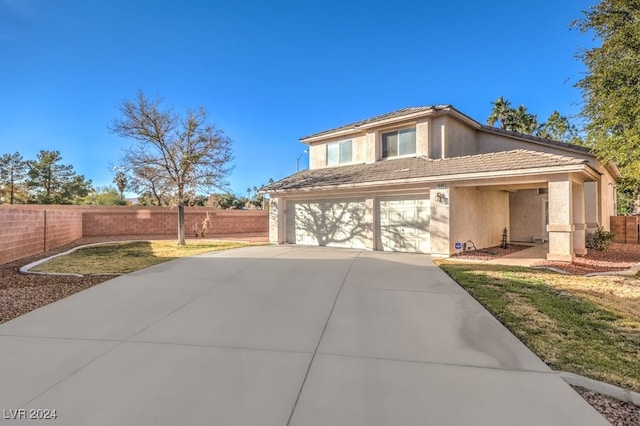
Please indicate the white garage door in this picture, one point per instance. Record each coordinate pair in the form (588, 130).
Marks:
(404, 224)
(334, 223)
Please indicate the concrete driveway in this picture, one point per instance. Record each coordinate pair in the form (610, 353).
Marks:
(278, 335)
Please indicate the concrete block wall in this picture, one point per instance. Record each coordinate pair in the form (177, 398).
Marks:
(21, 233)
(164, 221)
(108, 221)
(625, 229)
(26, 230)
(62, 227)
(237, 221)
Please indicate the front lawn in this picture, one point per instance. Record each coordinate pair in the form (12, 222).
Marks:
(122, 258)
(588, 326)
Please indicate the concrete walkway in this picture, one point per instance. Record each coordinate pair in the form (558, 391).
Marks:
(526, 257)
(278, 335)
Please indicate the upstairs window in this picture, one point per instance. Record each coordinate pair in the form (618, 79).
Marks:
(339, 152)
(399, 142)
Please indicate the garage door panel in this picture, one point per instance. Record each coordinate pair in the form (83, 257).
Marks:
(404, 225)
(334, 223)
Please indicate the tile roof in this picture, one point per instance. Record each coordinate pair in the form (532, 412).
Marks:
(413, 110)
(381, 117)
(536, 139)
(420, 167)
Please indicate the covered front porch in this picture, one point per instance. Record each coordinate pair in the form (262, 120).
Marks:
(558, 209)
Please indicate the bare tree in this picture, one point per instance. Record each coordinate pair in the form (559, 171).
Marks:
(184, 151)
(147, 181)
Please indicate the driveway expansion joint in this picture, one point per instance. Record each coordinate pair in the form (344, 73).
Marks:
(324, 329)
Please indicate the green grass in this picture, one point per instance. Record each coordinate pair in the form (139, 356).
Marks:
(122, 258)
(588, 326)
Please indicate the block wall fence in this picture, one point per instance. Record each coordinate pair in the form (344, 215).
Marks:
(26, 230)
(626, 229)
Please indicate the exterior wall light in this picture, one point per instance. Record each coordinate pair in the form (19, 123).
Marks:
(438, 197)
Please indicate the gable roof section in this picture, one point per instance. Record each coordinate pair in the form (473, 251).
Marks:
(422, 168)
(415, 112)
(379, 118)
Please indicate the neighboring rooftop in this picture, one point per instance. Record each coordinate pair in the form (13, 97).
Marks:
(421, 168)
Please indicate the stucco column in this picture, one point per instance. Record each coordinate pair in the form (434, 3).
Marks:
(372, 223)
(276, 221)
(560, 225)
(439, 222)
(591, 206)
(579, 225)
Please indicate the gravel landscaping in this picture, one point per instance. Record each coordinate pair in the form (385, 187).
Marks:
(617, 257)
(618, 413)
(489, 253)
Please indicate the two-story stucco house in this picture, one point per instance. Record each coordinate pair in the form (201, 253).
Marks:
(429, 179)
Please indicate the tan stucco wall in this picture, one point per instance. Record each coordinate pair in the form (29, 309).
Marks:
(360, 151)
(440, 222)
(592, 205)
(561, 219)
(437, 136)
(607, 199)
(526, 215)
(274, 220)
(317, 156)
(422, 137)
(479, 216)
(370, 148)
(460, 139)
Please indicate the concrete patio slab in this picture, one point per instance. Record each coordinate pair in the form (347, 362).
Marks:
(526, 257)
(279, 335)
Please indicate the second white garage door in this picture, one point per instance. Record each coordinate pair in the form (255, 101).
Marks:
(334, 223)
(404, 224)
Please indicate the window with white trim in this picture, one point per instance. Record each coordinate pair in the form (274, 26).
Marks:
(339, 152)
(399, 142)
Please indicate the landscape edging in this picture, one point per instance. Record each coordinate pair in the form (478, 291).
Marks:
(601, 387)
(26, 268)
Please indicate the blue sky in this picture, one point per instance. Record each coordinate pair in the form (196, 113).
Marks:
(271, 72)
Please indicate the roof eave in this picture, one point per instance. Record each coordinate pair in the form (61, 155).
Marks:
(536, 140)
(378, 123)
(613, 169)
(584, 168)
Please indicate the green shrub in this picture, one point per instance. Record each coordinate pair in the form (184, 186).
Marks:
(600, 239)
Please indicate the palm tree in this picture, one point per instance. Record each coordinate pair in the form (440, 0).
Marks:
(500, 112)
(512, 119)
(521, 121)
